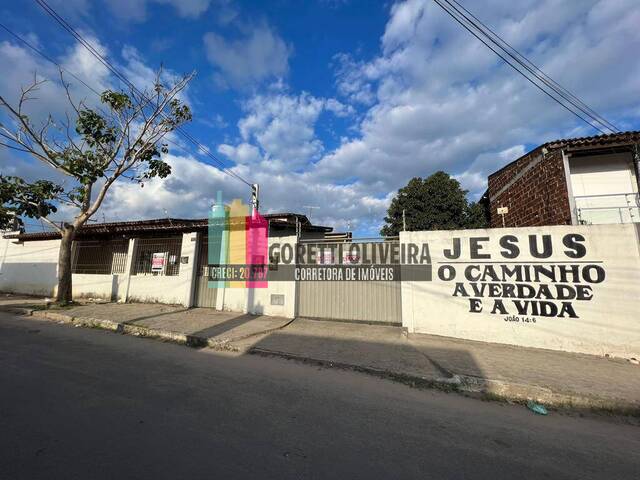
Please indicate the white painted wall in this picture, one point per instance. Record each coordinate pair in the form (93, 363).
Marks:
(157, 289)
(106, 287)
(29, 267)
(603, 180)
(608, 323)
(605, 324)
(188, 270)
(258, 300)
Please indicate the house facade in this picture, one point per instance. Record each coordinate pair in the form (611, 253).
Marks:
(579, 181)
(161, 260)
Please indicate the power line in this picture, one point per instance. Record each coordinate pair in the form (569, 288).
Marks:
(533, 82)
(46, 57)
(461, 18)
(89, 87)
(124, 79)
(514, 53)
(529, 66)
(202, 148)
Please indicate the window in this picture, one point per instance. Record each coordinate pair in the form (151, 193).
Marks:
(158, 256)
(101, 257)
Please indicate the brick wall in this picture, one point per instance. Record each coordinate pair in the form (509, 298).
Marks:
(538, 197)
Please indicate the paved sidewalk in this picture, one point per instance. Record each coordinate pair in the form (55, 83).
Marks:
(204, 323)
(518, 373)
(491, 370)
(10, 300)
(195, 326)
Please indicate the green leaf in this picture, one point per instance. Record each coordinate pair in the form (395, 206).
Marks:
(437, 202)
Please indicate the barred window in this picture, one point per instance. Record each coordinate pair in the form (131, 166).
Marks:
(101, 257)
(158, 256)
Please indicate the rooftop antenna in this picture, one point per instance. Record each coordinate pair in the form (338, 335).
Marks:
(311, 208)
(167, 214)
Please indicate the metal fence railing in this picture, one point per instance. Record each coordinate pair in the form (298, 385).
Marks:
(100, 257)
(607, 208)
(158, 256)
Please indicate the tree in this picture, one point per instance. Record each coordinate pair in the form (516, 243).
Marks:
(437, 202)
(119, 139)
(19, 198)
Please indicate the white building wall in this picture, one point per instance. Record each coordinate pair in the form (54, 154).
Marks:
(606, 323)
(105, 287)
(257, 301)
(29, 267)
(604, 188)
(157, 289)
(603, 174)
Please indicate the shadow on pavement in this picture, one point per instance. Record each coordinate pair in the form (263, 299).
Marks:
(225, 326)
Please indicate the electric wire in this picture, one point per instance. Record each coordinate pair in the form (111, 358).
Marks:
(85, 84)
(66, 26)
(513, 52)
(533, 82)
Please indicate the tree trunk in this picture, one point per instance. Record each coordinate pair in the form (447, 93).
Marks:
(64, 266)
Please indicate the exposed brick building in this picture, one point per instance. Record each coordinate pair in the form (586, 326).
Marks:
(571, 181)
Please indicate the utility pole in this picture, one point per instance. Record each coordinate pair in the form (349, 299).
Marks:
(255, 197)
(404, 221)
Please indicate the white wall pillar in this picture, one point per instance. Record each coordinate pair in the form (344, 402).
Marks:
(189, 252)
(567, 179)
(128, 269)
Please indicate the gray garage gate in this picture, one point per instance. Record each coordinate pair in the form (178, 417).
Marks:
(204, 296)
(365, 301)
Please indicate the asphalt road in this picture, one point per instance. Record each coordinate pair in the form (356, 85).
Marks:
(81, 403)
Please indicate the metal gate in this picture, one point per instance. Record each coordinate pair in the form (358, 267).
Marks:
(363, 301)
(204, 296)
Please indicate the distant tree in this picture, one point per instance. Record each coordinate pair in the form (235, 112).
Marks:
(477, 216)
(437, 202)
(95, 147)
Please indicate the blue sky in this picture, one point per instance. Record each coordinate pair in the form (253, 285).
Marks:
(334, 103)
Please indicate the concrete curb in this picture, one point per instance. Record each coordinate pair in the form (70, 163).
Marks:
(468, 385)
(480, 387)
(194, 341)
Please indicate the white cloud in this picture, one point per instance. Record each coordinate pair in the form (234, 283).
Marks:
(351, 79)
(243, 153)
(51, 97)
(143, 76)
(187, 192)
(136, 10)
(444, 101)
(433, 98)
(191, 188)
(283, 128)
(259, 54)
(338, 108)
